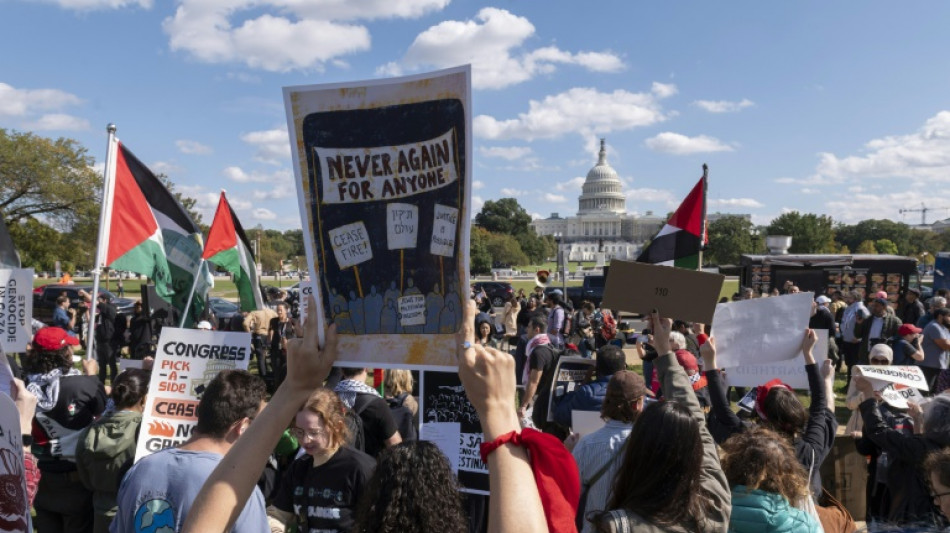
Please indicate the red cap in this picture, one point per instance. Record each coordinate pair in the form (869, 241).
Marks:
(687, 360)
(763, 391)
(51, 339)
(908, 329)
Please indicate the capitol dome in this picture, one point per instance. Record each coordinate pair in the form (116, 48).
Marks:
(602, 192)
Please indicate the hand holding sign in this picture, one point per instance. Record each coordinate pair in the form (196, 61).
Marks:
(661, 332)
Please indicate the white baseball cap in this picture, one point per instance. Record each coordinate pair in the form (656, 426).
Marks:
(204, 324)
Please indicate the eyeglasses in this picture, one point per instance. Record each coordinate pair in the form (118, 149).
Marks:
(937, 496)
(303, 435)
(877, 361)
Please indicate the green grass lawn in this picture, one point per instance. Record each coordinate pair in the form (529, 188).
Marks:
(223, 287)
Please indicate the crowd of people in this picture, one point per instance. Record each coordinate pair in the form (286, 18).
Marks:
(317, 448)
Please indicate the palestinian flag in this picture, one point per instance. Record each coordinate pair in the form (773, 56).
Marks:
(229, 248)
(150, 233)
(679, 242)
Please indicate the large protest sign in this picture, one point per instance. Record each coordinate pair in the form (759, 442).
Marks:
(881, 375)
(570, 373)
(450, 421)
(761, 330)
(791, 371)
(674, 292)
(15, 508)
(185, 361)
(16, 309)
(383, 177)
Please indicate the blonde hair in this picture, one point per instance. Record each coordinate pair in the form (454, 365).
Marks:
(397, 382)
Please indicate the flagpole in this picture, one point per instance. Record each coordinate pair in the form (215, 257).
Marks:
(102, 240)
(191, 295)
(702, 235)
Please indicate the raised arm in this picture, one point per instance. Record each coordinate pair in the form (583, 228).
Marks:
(488, 376)
(224, 494)
(721, 409)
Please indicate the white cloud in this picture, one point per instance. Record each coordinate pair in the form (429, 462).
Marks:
(19, 102)
(572, 185)
(677, 144)
(923, 155)
(192, 147)
(492, 43)
(262, 213)
(273, 146)
(477, 204)
(664, 90)
(509, 192)
(165, 167)
(477, 185)
(748, 203)
(723, 106)
(91, 5)
(580, 110)
(555, 198)
(239, 175)
(58, 122)
(277, 192)
(649, 195)
(284, 34)
(510, 153)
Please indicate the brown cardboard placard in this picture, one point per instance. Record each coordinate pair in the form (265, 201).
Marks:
(675, 292)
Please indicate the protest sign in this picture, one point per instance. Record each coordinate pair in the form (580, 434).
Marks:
(791, 371)
(570, 373)
(15, 513)
(674, 292)
(761, 330)
(383, 173)
(586, 422)
(16, 309)
(880, 375)
(185, 361)
(897, 395)
(450, 422)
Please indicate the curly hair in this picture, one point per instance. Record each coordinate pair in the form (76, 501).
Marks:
(659, 478)
(40, 361)
(412, 490)
(761, 459)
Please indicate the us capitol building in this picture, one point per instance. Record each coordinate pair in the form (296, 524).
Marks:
(602, 229)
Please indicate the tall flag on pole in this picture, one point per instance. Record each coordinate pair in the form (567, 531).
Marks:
(9, 258)
(150, 233)
(680, 242)
(229, 248)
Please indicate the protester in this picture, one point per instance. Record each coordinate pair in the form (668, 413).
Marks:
(63, 315)
(670, 478)
(107, 447)
(320, 490)
(104, 332)
(510, 318)
(938, 465)
(379, 428)
(281, 328)
(881, 355)
(484, 330)
(598, 454)
(590, 396)
(913, 308)
(25, 402)
(67, 402)
(524, 315)
(936, 346)
(766, 481)
(822, 318)
(398, 385)
(935, 303)
(257, 323)
(538, 373)
(557, 317)
(161, 488)
(906, 345)
(850, 336)
(906, 482)
(413, 490)
(875, 329)
(140, 333)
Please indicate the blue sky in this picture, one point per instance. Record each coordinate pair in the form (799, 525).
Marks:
(838, 108)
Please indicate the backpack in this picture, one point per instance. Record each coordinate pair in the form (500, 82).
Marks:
(608, 328)
(568, 324)
(402, 415)
(356, 437)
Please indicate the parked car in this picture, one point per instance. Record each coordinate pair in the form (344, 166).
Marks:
(497, 291)
(44, 301)
(223, 309)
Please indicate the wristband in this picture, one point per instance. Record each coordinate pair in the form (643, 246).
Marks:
(486, 448)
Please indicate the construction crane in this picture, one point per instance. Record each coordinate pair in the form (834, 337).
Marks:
(923, 212)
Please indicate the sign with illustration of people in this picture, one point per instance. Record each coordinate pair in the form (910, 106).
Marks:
(383, 172)
(185, 361)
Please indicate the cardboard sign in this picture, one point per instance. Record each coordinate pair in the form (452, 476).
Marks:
(879, 375)
(761, 330)
(569, 374)
(403, 225)
(383, 174)
(15, 515)
(791, 371)
(450, 421)
(185, 361)
(16, 309)
(675, 292)
(443, 230)
(898, 395)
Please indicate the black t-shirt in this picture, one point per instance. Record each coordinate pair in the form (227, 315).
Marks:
(903, 351)
(378, 423)
(542, 358)
(81, 399)
(823, 319)
(324, 498)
